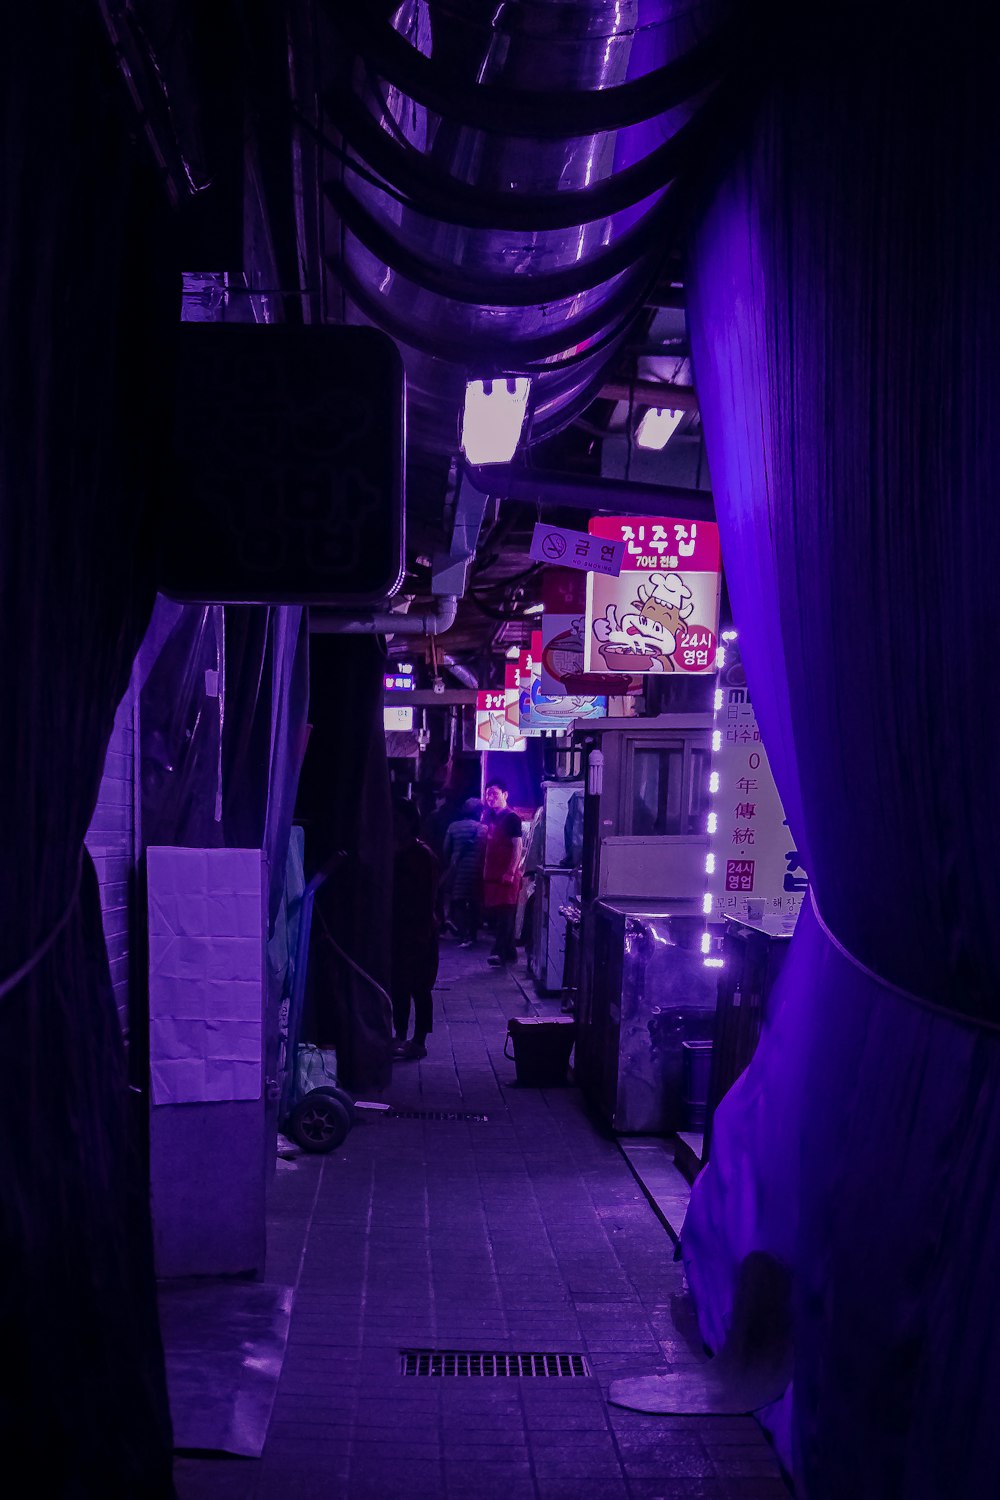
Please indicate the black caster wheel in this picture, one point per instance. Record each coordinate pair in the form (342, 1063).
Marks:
(345, 1098)
(319, 1122)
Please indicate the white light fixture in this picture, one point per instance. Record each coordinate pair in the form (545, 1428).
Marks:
(657, 427)
(595, 773)
(534, 609)
(493, 418)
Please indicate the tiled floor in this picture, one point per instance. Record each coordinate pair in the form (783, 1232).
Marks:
(524, 1232)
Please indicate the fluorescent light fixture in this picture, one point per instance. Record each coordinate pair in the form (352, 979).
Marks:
(714, 963)
(706, 903)
(709, 864)
(713, 822)
(718, 699)
(595, 773)
(535, 609)
(729, 635)
(713, 781)
(716, 741)
(706, 942)
(657, 427)
(493, 418)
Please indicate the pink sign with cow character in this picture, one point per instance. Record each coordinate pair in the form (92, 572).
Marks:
(661, 614)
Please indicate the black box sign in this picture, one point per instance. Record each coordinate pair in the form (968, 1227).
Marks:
(288, 468)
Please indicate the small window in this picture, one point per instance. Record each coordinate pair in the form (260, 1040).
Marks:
(697, 791)
(657, 786)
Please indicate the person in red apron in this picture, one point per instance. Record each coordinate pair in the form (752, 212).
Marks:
(502, 872)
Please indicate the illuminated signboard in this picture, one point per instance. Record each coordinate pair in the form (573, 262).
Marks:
(662, 613)
(754, 871)
(494, 730)
(398, 682)
(540, 712)
(561, 647)
(397, 720)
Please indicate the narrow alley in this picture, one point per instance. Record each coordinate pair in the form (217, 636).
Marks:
(478, 1216)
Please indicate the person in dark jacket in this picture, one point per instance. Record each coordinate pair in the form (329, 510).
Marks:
(464, 856)
(414, 933)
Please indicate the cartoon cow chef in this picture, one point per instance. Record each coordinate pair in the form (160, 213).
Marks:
(669, 592)
(660, 608)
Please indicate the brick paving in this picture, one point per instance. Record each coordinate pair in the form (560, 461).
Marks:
(524, 1232)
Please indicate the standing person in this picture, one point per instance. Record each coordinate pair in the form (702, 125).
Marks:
(414, 932)
(465, 856)
(502, 872)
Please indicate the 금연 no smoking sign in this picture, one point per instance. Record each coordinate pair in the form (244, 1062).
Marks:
(577, 549)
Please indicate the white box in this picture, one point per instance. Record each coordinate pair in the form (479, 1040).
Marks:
(207, 932)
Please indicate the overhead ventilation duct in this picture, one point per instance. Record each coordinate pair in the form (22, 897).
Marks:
(502, 182)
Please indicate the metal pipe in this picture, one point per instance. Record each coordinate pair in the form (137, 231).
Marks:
(462, 673)
(428, 698)
(433, 621)
(583, 492)
(659, 393)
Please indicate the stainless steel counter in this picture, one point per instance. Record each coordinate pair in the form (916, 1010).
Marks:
(645, 991)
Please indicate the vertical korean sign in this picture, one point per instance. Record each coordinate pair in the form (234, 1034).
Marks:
(565, 596)
(754, 869)
(662, 613)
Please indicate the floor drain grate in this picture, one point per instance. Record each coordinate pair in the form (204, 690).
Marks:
(436, 1114)
(466, 1362)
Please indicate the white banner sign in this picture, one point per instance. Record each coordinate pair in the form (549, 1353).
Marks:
(757, 876)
